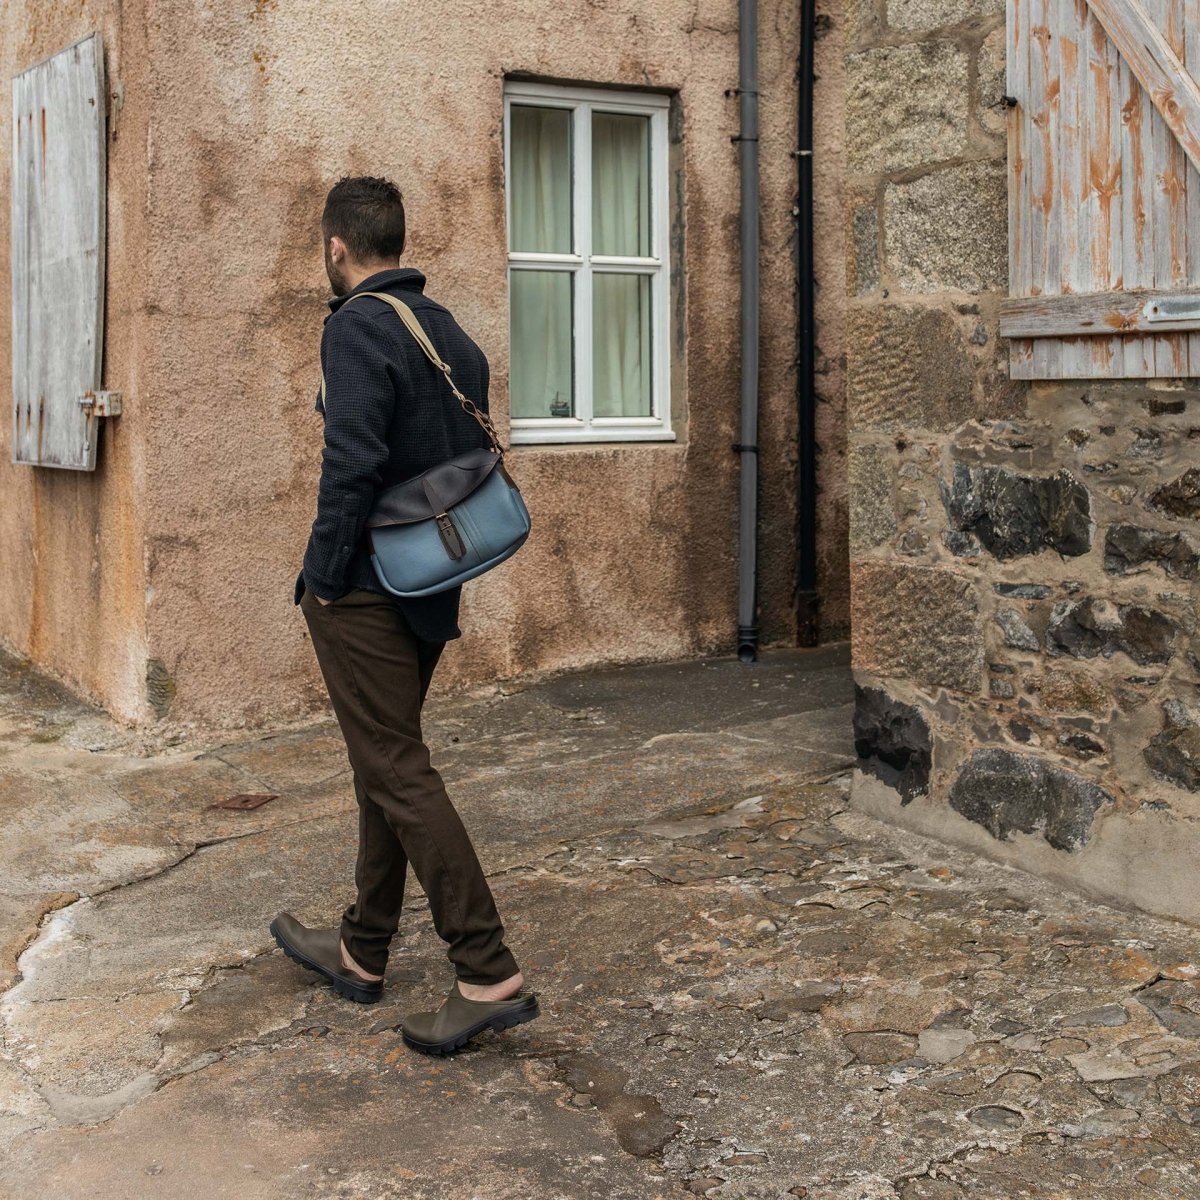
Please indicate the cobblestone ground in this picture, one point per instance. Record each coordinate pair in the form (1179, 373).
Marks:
(749, 990)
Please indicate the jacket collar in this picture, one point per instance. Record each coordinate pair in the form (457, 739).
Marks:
(393, 279)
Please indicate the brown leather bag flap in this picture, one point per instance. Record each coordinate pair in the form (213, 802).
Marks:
(433, 491)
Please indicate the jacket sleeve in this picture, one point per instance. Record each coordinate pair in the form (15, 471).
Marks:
(360, 399)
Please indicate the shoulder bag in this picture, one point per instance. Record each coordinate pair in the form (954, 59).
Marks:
(452, 522)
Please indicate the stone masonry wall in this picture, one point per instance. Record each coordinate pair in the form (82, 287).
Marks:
(1023, 557)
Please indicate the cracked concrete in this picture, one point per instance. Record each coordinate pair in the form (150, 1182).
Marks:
(749, 990)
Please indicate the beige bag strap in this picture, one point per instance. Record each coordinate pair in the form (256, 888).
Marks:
(407, 315)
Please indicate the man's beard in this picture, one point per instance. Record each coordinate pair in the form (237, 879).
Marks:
(337, 280)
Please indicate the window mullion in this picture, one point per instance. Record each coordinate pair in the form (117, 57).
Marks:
(582, 172)
(539, 262)
(660, 248)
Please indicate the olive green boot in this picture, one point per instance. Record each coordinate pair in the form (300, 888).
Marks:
(460, 1019)
(320, 950)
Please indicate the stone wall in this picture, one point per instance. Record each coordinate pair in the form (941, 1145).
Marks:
(1023, 556)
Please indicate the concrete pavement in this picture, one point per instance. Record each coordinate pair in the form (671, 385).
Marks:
(748, 989)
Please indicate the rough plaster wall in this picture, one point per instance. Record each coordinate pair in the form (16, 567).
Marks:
(779, 48)
(829, 262)
(258, 108)
(1023, 558)
(779, 45)
(71, 542)
(778, 86)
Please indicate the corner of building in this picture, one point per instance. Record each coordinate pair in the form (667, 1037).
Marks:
(74, 600)
(1022, 554)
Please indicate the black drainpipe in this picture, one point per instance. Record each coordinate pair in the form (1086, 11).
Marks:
(747, 140)
(807, 596)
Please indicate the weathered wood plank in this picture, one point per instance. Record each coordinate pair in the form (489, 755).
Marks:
(1020, 359)
(1017, 77)
(58, 242)
(1071, 215)
(1173, 92)
(1039, 183)
(1020, 273)
(1168, 181)
(1103, 158)
(1191, 60)
(1159, 138)
(1102, 314)
(1044, 87)
(1137, 208)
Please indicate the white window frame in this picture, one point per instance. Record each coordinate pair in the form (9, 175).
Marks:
(582, 102)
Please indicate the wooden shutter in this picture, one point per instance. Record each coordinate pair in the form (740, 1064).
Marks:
(58, 209)
(1104, 191)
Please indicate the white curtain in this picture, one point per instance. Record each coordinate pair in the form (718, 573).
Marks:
(620, 184)
(620, 345)
(621, 305)
(540, 374)
(541, 179)
(540, 344)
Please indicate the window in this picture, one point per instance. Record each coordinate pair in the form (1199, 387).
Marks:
(589, 303)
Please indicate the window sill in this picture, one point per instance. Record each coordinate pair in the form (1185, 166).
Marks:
(611, 437)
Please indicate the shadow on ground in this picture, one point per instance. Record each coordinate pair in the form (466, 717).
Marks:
(748, 989)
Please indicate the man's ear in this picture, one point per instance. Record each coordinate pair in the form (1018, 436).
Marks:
(337, 249)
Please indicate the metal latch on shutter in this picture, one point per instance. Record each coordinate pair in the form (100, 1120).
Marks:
(1171, 308)
(100, 404)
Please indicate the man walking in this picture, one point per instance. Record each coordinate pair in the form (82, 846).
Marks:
(388, 417)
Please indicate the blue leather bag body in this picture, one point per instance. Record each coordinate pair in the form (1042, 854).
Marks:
(449, 524)
(452, 522)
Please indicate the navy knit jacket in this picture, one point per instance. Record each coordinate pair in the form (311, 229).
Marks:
(389, 415)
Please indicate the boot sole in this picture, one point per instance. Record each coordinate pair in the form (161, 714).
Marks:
(343, 987)
(498, 1023)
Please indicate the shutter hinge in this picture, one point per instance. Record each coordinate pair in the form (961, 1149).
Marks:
(100, 404)
(1171, 308)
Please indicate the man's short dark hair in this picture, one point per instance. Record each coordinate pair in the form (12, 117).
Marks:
(368, 215)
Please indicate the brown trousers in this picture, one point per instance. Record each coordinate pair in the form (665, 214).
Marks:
(377, 672)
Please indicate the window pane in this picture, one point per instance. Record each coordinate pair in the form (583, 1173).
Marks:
(540, 348)
(540, 183)
(621, 345)
(620, 184)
